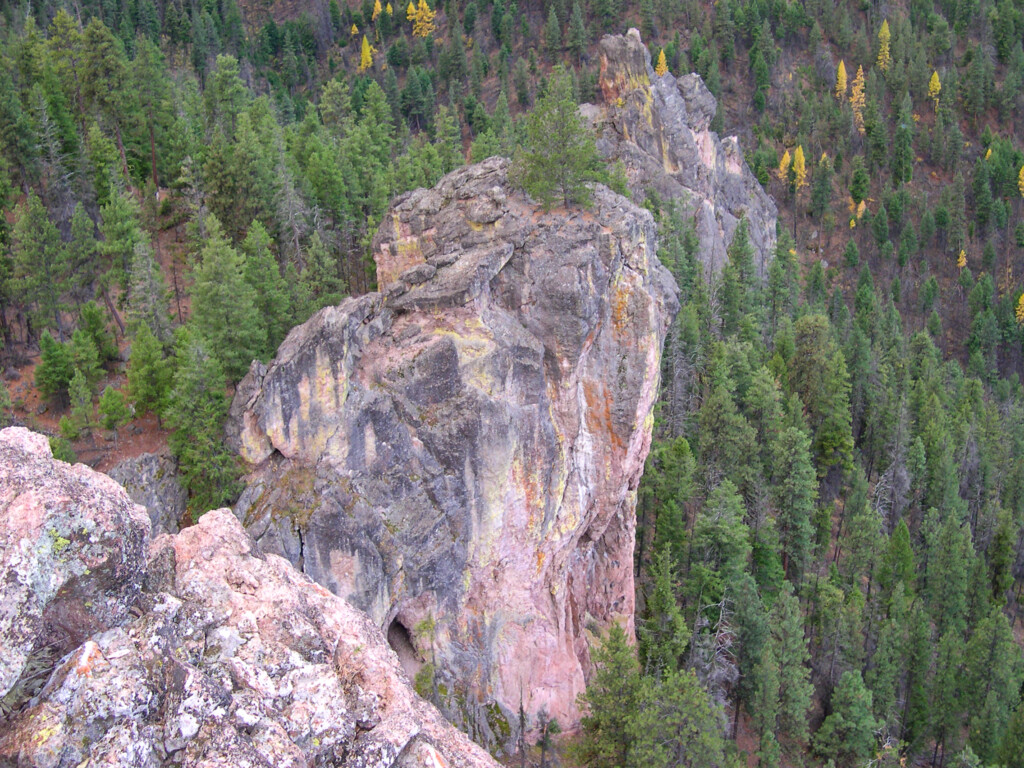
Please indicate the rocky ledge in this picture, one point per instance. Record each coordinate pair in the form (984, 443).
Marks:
(192, 650)
(459, 455)
(660, 128)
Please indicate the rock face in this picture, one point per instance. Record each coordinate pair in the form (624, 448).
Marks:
(152, 480)
(229, 657)
(660, 128)
(72, 556)
(459, 455)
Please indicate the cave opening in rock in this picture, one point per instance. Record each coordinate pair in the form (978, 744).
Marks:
(401, 642)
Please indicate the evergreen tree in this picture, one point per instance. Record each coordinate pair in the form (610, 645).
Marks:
(848, 733)
(40, 268)
(612, 700)
(55, 368)
(196, 410)
(94, 324)
(552, 36)
(114, 411)
(270, 292)
(559, 156)
(790, 650)
(675, 724)
(664, 634)
(224, 308)
(149, 377)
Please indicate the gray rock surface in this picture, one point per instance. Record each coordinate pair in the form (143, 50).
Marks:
(460, 455)
(72, 556)
(228, 657)
(660, 128)
(152, 480)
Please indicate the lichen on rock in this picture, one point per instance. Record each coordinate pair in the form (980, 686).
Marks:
(205, 651)
(472, 437)
(660, 128)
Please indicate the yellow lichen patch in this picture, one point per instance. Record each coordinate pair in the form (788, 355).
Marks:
(541, 555)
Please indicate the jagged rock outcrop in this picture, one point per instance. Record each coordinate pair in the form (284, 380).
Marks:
(72, 555)
(152, 480)
(198, 650)
(459, 455)
(660, 128)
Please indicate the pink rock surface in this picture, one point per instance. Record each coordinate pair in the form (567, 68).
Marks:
(229, 657)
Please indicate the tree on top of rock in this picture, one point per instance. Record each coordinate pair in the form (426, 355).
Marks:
(559, 156)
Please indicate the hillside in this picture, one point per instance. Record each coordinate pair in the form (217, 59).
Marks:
(830, 526)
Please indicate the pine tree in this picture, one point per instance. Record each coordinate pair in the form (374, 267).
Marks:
(795, 492)
(55, 368)
(81, 418)
(224, 305)
(840, 87)
(40, 268)
(884, 60)
(552, 36)
(85, 357)
(848, 734)
(196, 410)
(149, 376)
(790, 650)
(271, 293)
(147, 293)
(114, 411)
(664, 634)
(93, 323)
(675, 724)
(611, 700)
(577, 38)
(559, 156)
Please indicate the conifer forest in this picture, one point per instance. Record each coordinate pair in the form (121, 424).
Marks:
(830, 527)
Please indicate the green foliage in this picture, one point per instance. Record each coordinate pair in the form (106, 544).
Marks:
(224, 310)
(196, 409)
(848, 732)
(558, 157)
(55, 368)
(611, 701)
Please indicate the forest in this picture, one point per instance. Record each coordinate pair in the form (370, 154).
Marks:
(830, 544)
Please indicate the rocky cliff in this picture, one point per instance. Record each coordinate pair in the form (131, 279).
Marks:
(660, 128)
(192, 650)
(459, 455)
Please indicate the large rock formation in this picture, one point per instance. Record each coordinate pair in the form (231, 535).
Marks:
(660, 128)
(459, 455)
(209, 653)
(152, 480)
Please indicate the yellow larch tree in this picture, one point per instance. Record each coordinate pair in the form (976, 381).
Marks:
(857, 99)
(934, 87)
(1020, 310)
(1020, 181)
(354, 31)
(377, 10)
(662, 67)
(423, 20)
(366, 55)
(783, 170)
(389, 10)
(884, 58)
(840, 89)
(961, 260)
(799, 169)
(410, 12)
